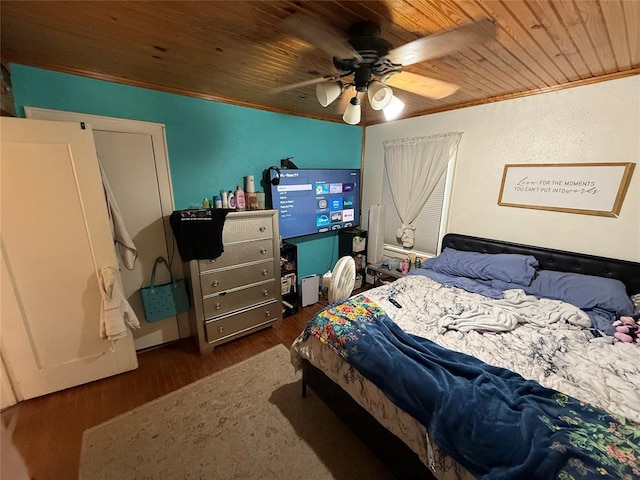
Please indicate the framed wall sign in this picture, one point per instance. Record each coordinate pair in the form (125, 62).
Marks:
(587, 188)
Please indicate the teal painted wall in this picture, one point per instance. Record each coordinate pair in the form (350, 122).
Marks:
(211, 145)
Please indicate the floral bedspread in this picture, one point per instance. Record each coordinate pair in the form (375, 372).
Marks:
(572, 439)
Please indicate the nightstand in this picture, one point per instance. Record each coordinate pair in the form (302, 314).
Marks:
(377, 275)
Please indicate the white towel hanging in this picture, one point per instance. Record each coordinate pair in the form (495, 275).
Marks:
(126, 248)
(116, 312)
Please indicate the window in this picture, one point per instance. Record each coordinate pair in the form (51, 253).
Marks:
(415, 189)
(428, 223)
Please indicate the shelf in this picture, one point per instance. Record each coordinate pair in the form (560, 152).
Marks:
(289, 279)
(352, 242)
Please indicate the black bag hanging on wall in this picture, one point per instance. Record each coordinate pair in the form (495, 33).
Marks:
(166, 300)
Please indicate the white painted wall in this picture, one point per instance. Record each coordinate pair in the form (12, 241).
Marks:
(593, 123)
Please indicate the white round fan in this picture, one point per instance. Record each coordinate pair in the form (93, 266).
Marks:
(342, 279)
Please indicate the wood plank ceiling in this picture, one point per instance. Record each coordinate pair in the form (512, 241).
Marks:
(237, 51)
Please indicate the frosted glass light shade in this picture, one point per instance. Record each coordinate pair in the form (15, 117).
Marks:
(379, 95)
(352, 112)
(394, 108)
(327, 92)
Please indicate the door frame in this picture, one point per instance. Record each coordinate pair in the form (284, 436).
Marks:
(157, 131)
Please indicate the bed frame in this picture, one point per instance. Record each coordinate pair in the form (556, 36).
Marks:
(392, 451)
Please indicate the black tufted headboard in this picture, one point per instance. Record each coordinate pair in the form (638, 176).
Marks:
(623, 270)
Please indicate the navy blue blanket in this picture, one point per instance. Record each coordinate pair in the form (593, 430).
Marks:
(491, 420)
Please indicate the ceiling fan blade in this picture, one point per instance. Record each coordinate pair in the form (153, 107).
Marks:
(304, 83)
(440, 44)
(424, 86)
(320, 34)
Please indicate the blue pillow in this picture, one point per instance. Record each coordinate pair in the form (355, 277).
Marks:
(485, 266)
(586, 292)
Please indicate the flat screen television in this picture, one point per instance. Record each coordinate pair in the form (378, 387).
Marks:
(315, 200)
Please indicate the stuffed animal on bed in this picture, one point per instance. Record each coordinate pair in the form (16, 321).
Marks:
(628, 329)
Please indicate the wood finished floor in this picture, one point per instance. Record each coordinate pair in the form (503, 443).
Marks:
(47, 430)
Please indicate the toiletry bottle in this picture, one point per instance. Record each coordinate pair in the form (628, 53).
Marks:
(217, 201)
(240, 201)
(232, 200)
(205, 203)
(224, 198)
(251, 199)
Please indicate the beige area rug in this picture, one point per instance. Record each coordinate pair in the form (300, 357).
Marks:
(248, 421)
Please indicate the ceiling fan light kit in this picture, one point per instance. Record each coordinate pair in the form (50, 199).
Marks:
(394, 108)
(352, 112)
(328, 92)
(379, 95)
(373, 63)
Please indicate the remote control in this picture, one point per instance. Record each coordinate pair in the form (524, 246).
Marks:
(395, 302)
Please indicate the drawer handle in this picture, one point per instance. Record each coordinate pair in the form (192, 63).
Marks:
(212, 260)
(215, 283)
(218, 306)
(262, 229)
(264, 273)
(265, 292)
(267, 313)
(263, 251)
(220, 329)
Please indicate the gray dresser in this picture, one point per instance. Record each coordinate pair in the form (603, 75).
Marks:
(238, 292)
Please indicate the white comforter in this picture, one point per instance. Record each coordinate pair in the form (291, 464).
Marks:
(548, 348)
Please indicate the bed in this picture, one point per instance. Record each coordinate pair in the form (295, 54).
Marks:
(455, 384)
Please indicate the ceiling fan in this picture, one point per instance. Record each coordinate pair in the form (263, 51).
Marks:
(369, 63)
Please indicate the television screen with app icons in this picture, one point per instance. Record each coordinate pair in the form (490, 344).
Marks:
(316, 200)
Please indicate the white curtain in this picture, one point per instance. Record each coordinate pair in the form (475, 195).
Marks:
(414, 166)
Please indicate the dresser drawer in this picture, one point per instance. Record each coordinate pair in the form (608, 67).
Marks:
(221, 280)
(227, 302)
(231, 325)
(236, 254)
(251, 228)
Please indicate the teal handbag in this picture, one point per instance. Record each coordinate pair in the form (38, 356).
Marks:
(166, 300)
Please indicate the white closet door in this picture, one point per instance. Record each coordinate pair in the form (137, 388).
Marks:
(55, 237)
(128, 161)
(134, 157)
